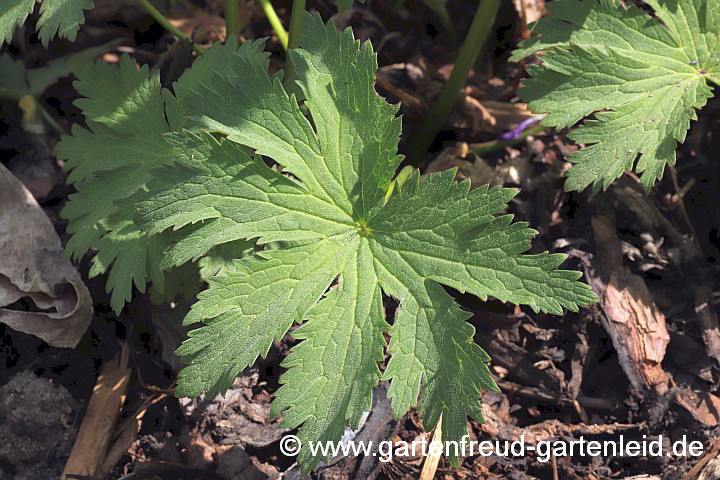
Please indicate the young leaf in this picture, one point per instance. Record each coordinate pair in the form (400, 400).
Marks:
(331, 204)
(641, 77)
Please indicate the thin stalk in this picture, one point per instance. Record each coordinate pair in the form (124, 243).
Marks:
(479, 30)
(160, 18)
(296, 18)
(494, 145)
(275, 22)
(50, 120)
(232, 26)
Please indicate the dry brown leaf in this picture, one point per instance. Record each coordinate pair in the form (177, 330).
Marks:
(32, 266)
(482, 115)
(469, 166)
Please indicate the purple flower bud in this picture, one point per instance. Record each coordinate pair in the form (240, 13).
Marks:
(515, 133)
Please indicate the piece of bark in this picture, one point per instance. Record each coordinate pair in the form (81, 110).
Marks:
(690, 356)
(633, 321)
(125, 438)
(234, 463)
(691, 259)
(704, 407)
(579, 359)
(635, 324)
(103, 410)
(549, 429)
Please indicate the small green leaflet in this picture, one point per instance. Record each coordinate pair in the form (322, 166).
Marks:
(13, 14)
(641, 78)
(346, 245)
(61, 17)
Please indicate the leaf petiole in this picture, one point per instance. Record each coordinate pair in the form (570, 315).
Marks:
(162, 20)
(275, 23)
(479, 30)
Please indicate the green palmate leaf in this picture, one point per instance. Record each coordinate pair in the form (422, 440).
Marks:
(641, 77)
(346, 244)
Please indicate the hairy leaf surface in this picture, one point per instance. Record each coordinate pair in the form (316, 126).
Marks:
(346, 244)
(642, 78)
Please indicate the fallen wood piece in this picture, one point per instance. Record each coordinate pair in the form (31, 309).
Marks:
(548, 429)
(702, 406)
(636, 326)
(631, 318)
(433, 459)
(126, 437)
(649, 216)
(708, 467)
(126, 434)
(96, 430)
